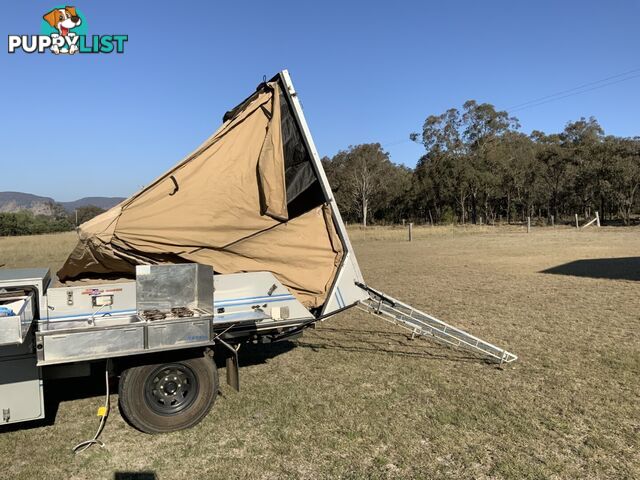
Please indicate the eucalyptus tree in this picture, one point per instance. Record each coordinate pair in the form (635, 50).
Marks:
(462, 141)
(582, 140)
(624, 157)
(365, 181)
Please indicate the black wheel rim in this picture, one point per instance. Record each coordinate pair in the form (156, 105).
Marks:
(171, 388)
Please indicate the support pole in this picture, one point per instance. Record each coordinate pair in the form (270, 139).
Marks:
(597, 219)
(577, 225)
(528, 224)
(410, 231)
(233, 365)
(553, 221)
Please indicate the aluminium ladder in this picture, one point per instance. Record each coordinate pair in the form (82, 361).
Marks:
(422, 324)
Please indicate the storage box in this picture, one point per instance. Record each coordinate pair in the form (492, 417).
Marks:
(166, 287)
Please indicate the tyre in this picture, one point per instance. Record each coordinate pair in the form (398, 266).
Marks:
(167, 397)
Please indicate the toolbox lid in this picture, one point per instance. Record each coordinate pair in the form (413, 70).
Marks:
(22, 274)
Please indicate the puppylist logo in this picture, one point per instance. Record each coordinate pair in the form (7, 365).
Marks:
(64, 31)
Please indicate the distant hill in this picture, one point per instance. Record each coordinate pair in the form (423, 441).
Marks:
(102, 202)
(15, 201)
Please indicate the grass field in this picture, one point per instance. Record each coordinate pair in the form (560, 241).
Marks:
(355, 398)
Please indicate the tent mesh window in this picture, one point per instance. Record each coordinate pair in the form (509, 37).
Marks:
(303, 187)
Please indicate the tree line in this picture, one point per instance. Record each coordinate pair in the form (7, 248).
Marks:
(477, 167)
(25, 222)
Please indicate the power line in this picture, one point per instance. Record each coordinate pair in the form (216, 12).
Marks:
(576, 90)
(575, 93)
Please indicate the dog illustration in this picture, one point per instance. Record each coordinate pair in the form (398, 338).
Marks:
(63, 20)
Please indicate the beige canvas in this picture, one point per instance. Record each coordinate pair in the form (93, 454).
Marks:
(224, 205)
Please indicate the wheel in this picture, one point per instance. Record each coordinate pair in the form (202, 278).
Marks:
(166, 397)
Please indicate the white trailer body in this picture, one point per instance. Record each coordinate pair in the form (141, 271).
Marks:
(150, 329)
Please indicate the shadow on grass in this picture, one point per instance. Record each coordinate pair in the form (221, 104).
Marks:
(365, 332)
(356, 340)
(353, 340)
(255, 354)
(350, 340)
(626, 268)
(57, 391)
(134, 476)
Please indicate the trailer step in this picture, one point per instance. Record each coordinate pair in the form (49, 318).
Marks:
(423, 324)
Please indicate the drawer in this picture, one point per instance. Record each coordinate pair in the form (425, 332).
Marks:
(92, 344)
(14, 328)
(179, 333)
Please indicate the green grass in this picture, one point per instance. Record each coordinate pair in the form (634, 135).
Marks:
(355, 398)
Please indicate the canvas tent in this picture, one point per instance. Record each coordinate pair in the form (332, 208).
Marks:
(248, 199)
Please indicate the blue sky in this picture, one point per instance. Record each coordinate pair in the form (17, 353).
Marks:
(74, 126)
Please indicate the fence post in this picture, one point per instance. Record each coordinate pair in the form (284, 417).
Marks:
(528, 224)
(410, 231)
(597, 219)
(577, 225)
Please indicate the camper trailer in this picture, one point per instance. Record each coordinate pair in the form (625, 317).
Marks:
(241, 241)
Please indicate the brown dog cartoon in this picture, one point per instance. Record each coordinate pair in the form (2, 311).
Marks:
(63, 20)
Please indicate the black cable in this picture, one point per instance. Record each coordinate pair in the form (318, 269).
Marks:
(520, 105)
(308, 323)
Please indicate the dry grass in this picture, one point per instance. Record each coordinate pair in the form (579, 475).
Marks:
(356, 399)
(37, 250)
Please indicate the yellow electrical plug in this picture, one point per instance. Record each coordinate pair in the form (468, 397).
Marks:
(102, 411)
